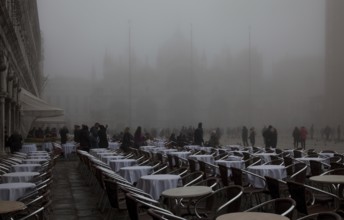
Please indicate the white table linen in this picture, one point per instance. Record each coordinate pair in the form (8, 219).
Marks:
(156, 184)
(13, 191)
(106, 158)
(34, 161)
(114, 145)
(17, 177)
(68, 149)
(265, 157)
(116, 165)
(26, 168)
(206, 158)
(275, 171)
(26, 148)
(231, 163)
(133, 173)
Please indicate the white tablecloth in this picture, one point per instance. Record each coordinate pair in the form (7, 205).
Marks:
(34, 161)
(180, 154)
(156, 184)
(116, 165)
(231, 163)
(48, 146)
(18, 177)
(107, 158)
(166, 151)
(265, 157)
(114, 145)
(307, 159)
(13, 191)
(26, 168)
(205, 158)
(68, 148)
(37, 156)
(147, 148)
(275, 171)
(105, 153)
(94, 151)
(26, 148)
(133, 174)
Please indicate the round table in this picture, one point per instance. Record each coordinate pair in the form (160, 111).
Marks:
(34, 161)
(11, 206)
(251, 216)
(116, 165)
(205, 158)
(275, 171)
(13, 191)
(187, 192)
(68, 149)
(331, 179)
(26, 148)
(26, 167)
(156, 184)
(114, 145)
(107, 158)
(18, 177)
(231, 163)
(133, 173)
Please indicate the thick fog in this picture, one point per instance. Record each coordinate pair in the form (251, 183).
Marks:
(225, 63)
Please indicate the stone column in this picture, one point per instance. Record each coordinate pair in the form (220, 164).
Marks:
(3, 94)
(9, 100)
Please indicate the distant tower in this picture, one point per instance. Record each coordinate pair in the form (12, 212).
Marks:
(334, 75)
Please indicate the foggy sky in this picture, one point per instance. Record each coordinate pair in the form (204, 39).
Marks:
(78, 33)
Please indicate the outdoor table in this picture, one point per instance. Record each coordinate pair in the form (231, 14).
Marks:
(94, 151)
(166, 151)
(251, 216)
(156, 184)
(189, 193)
(18, 177)
(265, 157)
(331, 179)
(7, 207)
(26, 148)
(133, 173)
(34, 161)
(26, 168)
(116, 165)
(68, 149)
(37, 156)
(147, 148)
(206, 158)
(48, 146)
(275, 171)
(13, 191)
(105, 153)
(180, 154)
(114, 145)
(107, 158)
(231, 163)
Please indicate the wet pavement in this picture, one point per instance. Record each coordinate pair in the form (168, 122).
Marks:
(72, 198)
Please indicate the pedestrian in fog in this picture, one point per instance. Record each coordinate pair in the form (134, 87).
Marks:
(63, 134)
(127, 140)
(296, 137)
(15, 142)
(303, 137)
(102, 135)
(273, 138)
(252, 136)
(244, 136)
(198, 135)
(139, 139)
(84, 138)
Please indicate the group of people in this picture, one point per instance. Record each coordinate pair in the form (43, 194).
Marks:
(251, 135)
(300, 136)
(40, 133)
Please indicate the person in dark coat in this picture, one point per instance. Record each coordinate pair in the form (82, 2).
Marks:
(63, 134)
(267, 137)
(138, 138)
(296, 137)
(103, 141)
(198, 135)
(84, 138)
(15, 142)
(127, 140)
(94, 138)
(244, 136)
(252, 136)
(273, 137)
(77, 133)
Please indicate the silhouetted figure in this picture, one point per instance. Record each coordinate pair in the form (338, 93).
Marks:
(94, 139)
(214, 139)
(327, 132)
(77, 133)
(172, 139)
(102, 135)
(198, 135)
(252, 136)
(303, 137)
(264, 134)
(15, 142)
(127, 140)
(84, 138)
(139, 139)
(296, 137)
(63, 134)
(273, 138)
(244, 136)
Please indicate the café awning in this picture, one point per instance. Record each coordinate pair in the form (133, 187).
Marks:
(33, 108)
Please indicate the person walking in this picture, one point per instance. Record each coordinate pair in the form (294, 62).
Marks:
(296, 137)
(252, 136)
(198, 135)
(303, 137)
(244, 136)
(102, 134)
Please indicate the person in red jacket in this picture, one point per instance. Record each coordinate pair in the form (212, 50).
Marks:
(303, 137)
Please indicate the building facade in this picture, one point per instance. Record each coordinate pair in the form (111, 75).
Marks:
(20, 60)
